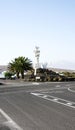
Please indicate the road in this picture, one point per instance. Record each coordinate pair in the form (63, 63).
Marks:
(37, 106)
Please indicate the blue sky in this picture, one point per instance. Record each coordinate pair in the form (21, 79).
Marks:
(49, 24)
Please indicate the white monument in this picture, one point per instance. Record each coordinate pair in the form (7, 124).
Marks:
(37, 55)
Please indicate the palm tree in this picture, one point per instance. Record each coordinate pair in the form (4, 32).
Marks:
(19, 65)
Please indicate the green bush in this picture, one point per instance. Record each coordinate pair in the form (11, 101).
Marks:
(8, 75)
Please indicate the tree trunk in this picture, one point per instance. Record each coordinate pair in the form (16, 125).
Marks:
(22, 74)
(18, 75)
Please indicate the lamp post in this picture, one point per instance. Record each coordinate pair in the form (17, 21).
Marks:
(37, 55)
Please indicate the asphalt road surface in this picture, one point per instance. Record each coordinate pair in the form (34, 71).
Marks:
(37, 106)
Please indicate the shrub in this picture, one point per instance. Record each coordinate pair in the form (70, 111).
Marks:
(8, 75)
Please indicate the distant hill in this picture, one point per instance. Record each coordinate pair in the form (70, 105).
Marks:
(61, 70)
(3, 68)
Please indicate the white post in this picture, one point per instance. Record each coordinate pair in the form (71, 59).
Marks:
(37, 55)
(35, 71)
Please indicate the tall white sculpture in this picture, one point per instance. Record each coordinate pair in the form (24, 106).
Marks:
(37, 55)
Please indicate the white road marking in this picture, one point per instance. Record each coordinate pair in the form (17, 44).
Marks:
(35, 83)
(56, 99)
(46, 90)
(57, 86)
(45, 96)
(69, 103)
(10, 121)
(36, 94)
(69, 89)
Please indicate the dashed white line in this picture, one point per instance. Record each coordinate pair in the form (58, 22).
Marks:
(45, 96)
(35, 83)
(55, 99)
(57, 86)
(69, 103)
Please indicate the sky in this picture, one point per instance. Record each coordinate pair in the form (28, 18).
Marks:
(48, 24)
